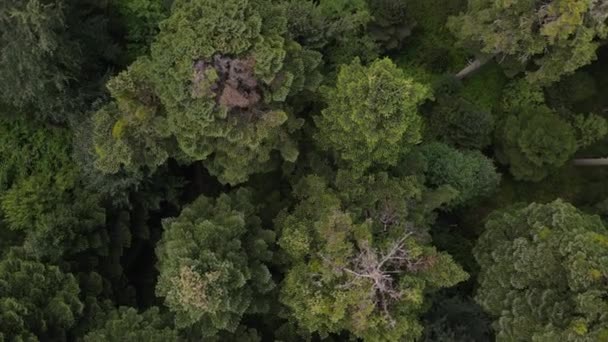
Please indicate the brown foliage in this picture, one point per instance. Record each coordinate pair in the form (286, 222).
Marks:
(235, 87)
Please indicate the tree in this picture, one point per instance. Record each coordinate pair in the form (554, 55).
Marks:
(213, 88)
(41, 193)
(543, 273)
(126, 324)
(391, 24)
(535, 139)
(469, 172)
(37, 301)
(358, 260)
(212, 263)
(535, 142)
(36, 57)
(547, 39)
(372, 115)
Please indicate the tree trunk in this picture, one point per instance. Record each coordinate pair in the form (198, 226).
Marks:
(473, 67)
(591, 162)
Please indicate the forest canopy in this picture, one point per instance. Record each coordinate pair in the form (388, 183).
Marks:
(303, 170)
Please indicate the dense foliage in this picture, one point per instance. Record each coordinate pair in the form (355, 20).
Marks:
(303, 170)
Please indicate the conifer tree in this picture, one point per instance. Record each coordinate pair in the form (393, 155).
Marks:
(213, 88)
(543, 273)
(37, 301)
(212, 263)
(359, 258)
(547, 39)
(372, 115)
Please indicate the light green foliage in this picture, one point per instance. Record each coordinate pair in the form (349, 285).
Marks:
(344, 245)
(37, 301)
(36, 58)
(126, 324)
(212, 263)
(214, 85)
(556, 37)
(372, 115)
(543, 273)
(469, 172)
(42, 194)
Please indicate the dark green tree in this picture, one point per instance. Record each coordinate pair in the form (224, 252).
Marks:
(126, 324)
(547, 39)
(212, 263)
(391, 24)
(469, 172)
(372, 115)
(37, 59)
(359, 259)
(543, 273)
(37, 301)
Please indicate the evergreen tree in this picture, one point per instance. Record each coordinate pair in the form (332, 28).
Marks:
(359, 258)
(372, 115)
(469, 172)
(36, 57)
(543, 273)
(212, 263)
(41, 193)
(212, 89)
(37, 301)
(547, 39)
(126, 324)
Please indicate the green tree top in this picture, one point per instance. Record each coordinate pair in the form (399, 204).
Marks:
(212, 263)
(552, 38)
(543, 273)
(212, 89)
(359, 260)
(372, 115)
(37, 301)
(126, 324)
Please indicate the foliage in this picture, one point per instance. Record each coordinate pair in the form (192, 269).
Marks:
(127, 324)
(456, 319)
(141, 19)
(456, 121)
(391, 24)
(213, 84)
(533, 139)
(36, 57)
(359, 262)
(546, 38)
(371, 116)
(469, 172)
(37, 301)
(543, 273)
(42, 194)
(212, 263)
